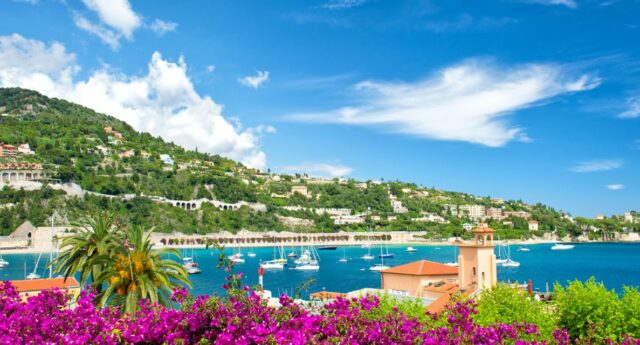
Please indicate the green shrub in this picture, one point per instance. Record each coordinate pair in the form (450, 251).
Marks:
(505, 304)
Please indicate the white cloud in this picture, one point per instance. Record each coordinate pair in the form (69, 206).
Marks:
(116, 14)
(567, 3)
(161, 27)
(163, 101)
(615, 186)
(256, 81)
(107, 36)
(597, 165)
(633, 108)
(320, 169)
(211, 68)
(343, 4)
(469, 102)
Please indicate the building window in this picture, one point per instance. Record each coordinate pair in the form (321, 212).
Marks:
(474, 271)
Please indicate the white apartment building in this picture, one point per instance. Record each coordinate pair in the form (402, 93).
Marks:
(471, 211)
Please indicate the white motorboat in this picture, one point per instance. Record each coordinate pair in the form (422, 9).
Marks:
(560, 246)
(194, 270)
(308, 267)
(3, 262)
(524, 249)
(511, 263)
(411, 250)
(190, 266)
(378, 267)
(272, 265)
(343, 259)
(251, 254)
(367, 257)
(32, 276)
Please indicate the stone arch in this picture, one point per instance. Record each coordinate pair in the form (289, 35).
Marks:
(28, 176)
(13, 176)
(177, 204)
(193, 206)
(188, 206)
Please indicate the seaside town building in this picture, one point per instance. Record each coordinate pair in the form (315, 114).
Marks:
(26, 288)
(631, 217)
(472, 211)
(600, 217)
(517, 214)
(533, 225)
(430, 218)
(494, 213)
(302, 190)
(8, 150)
(25, 149)
(435, 283)
(348, 219)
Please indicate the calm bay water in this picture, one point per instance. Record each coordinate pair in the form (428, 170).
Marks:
(616, 264)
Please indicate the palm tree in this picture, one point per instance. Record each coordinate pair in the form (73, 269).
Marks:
(91, 237)
(134, 271)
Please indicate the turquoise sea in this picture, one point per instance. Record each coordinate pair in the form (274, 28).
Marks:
(616, 264)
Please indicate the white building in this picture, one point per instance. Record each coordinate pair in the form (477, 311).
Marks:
(302, 190)
(467, 226)
(351, 219)
(166, 159)
(630, 217)
(430, 218)
(471, 211)
(397, 207)
(533, 225)
(25, 149)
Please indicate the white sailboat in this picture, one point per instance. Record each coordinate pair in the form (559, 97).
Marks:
(308, 261)
(411, 250)
(343, 259)
(501, 254)
(524, 249)
(3, 262)
(34, 275)
(509, 262)
(380, 266)
(275, 263)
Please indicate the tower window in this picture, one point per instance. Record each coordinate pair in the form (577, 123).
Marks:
(474, 271)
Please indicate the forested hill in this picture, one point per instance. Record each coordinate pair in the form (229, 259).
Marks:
(74, 144)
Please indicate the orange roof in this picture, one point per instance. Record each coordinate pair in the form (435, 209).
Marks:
(326, 295)
(439, 304)
(423, 268)
(483, 230)
(44, 284)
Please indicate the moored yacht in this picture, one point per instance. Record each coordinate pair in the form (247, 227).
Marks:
(411, 250)
(560, 246)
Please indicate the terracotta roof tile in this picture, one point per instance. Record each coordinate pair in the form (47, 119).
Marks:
(44, 284)
(423, 268)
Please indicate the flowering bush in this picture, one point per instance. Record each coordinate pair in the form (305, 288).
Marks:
(244, 318)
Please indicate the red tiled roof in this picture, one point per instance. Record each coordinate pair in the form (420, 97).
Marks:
(423, 268)
(483, 230)
(44, 284)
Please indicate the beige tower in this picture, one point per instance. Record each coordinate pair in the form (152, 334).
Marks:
(477, 262)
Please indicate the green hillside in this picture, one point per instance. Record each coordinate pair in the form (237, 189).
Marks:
(104, 155)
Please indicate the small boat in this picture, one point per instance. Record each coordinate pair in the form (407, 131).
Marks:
(194, 270)
(292, 255)
(272, 265)
(560, 246)
(251, 254)
(452, 264)
(510, 263)
(327, 248)
(343, 259)
(378, 267)
(365, 246)
(411, 250)
(236, 258)
(367, 257)
(386, 255)
(524, 249)
(312, 266)
(33, 276)
(3, 262)
(190, 266)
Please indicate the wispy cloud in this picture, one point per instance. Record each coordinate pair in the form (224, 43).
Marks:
(468, 102)
(211, 68)
(597, 165)
(255, 81)
(468, 22)
(633, 108)
(567, 3)
(343, 4)
(107, 36)
(161, 27)
(320, 169)
(615, 186)
(319, 82)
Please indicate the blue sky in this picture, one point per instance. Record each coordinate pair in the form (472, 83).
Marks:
(535, 99)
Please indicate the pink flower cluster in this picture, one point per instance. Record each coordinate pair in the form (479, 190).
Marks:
(242, 318)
